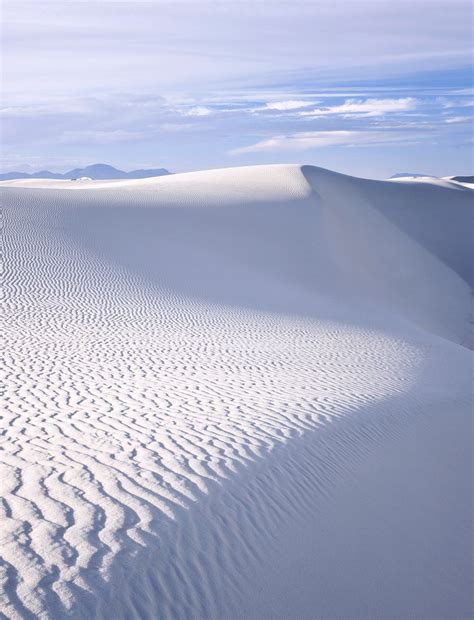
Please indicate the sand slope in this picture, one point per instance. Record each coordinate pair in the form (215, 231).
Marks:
(236, 393)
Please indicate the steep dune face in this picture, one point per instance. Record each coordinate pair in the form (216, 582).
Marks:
(399, 243)
(429, 214)
(196, 362)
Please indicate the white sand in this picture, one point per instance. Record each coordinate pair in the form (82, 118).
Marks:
(238, 393)
(439, 181)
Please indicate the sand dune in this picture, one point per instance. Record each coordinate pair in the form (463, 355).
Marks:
(238, 393)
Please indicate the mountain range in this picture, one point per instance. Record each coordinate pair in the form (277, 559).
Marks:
(96, 171)
(400, 175)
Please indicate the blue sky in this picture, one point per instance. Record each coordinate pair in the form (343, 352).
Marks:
(363, 87)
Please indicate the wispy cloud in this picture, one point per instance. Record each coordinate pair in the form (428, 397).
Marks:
(366, 107)
(42, 109)
(286, 105)
(458, 119)
(305, 140)
(99, 137)
(197, 111)
(456, 102)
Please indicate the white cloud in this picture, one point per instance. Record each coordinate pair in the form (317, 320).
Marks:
(197, 111)
(455, 102)
(365, 107)
(287, 105)
(56, 108)
(316, 139)
(457, 119)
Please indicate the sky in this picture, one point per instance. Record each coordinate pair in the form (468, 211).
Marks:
(364, 87)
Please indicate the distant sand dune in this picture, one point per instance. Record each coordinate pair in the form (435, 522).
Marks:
(238, 393)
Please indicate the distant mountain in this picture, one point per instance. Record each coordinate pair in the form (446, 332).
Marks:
(96, 171)
(400, 175)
